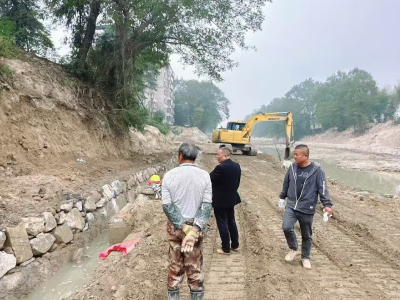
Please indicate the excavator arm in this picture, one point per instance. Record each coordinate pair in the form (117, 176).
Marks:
(238, 133)
(278, 116)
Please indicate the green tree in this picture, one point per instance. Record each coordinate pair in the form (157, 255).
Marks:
(200, 103)
(30, 34)
(80, 16)
(7, 28)
(205, 33)
(297, 100)
(346, 99)
(277, 129)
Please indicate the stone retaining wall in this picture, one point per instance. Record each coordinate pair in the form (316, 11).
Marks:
(80, 218)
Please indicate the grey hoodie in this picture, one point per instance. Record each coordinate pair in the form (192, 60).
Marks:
(315, 184)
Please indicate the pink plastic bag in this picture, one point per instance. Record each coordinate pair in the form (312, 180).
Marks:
(125, 248)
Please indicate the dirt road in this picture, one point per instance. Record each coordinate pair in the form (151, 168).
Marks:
(354, 256)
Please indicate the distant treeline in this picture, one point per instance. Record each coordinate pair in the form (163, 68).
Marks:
(344, 100)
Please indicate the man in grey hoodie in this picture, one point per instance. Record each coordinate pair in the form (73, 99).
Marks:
(303, 182)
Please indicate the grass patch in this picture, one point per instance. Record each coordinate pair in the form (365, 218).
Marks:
(164, 128)
(8, 48)
(5, 72)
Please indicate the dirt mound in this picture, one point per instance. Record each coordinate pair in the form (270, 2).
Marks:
(150, 141)
(192, 134)
(381, 138)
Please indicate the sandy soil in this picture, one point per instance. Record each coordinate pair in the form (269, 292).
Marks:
(353, 255)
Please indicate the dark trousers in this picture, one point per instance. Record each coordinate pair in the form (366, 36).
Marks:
(227, 227)
(290, 217)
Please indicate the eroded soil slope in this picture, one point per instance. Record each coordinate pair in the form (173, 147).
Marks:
(48, 120)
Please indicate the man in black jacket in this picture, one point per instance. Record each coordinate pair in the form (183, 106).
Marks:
(303, 182)
(225, 181)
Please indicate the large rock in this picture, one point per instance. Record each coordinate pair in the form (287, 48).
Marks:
(139, 177)
(145, 190)
(79, 205)
(33, 226)
(63, 234)
(132, 181)
(101, 203)
(42, 243)
(74, 219)
(117, 187)
(110, 209)
(90, 218)
(91, 200)
(17, 239)
(121, 201)
(2, 239)
(61, 218)
(66, 207)
(7, 262)
(49, 221)
(146, 175)
(121, 224)
(107, 191)
(124, 186)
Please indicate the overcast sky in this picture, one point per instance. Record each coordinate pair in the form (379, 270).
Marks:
(312, 38)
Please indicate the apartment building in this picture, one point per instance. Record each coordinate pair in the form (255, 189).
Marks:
(162, 97)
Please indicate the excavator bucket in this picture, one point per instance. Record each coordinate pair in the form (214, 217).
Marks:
(287, 153)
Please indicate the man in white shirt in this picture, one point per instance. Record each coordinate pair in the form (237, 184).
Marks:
(187, 202)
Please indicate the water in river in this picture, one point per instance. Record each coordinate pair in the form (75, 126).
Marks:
(74, 275)
(369, 181)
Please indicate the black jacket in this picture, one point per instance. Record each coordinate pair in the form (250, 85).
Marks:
(314, 185)
(225, 181)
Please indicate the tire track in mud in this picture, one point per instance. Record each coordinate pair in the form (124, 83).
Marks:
(226, 276)
(342, 268)
(374, 227)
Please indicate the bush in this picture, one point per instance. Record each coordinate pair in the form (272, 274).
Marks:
(5, 72)
(164, 128)
(157, 120)
(120, 120)
(8, 48)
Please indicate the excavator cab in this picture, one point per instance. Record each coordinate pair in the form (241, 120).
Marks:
(235, 125)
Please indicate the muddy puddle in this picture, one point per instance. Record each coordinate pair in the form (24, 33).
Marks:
(70, 278)
(369, 181)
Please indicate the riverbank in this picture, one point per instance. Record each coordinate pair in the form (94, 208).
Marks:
(377, 150)
(352, 256)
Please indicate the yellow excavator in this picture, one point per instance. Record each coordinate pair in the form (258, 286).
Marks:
(237, 133)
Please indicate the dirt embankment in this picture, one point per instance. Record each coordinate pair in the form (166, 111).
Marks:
(376, 150)
(49, 120)
(352, 256)
(380, 139)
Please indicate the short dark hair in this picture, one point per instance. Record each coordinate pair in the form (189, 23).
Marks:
(189, 151)
(304, 148)
(226, 150)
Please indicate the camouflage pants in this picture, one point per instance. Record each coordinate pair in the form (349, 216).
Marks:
(189, 262)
